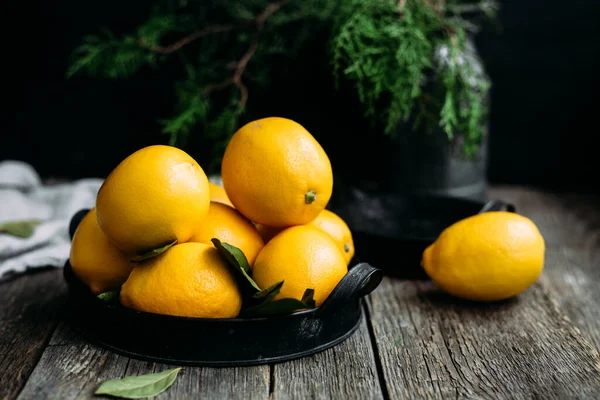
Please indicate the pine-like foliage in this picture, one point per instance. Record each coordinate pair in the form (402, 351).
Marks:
(407, 59)
(411, 61)
(222, 47)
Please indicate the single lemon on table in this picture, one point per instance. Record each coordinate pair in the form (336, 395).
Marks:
(487, 257)
(228, 225)
(327, 221)
(96, 261)
(188, 280)
(217, 193)
(304, 257)
(155, 196)
(276, 173)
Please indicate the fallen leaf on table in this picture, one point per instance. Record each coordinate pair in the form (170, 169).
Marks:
(139, 387)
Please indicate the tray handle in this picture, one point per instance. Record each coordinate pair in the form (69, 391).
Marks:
(76, 220)
(359, 281)
(497, 205)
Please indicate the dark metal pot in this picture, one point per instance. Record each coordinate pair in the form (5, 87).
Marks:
(429, 164)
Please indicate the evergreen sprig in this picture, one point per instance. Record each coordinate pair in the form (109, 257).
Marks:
(408, 59)
(110, 57)
(218, 58)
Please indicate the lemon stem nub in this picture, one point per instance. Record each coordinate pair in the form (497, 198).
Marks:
(310, 197)
(346, 247)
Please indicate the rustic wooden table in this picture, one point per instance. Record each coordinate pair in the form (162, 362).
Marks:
(414, 343)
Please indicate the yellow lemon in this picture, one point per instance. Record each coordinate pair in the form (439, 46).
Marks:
(188, 280)
(276, 173)
(486, 257)
(96, 261)
(228, 225)
(217, 193)
(156, 195)
(304, 257)
(332, 224)
(267, 232)
(327, 221)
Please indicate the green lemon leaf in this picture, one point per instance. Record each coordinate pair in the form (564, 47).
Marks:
(308, 298)
(269, 293)
(153, 253)
(139, 387)
(236, 258)
(261, 298)
(22, 229)
(269, 307)
(233, 254)
(109, 297)
(257, 301)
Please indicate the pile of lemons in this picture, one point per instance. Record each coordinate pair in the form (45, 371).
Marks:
(150, 234)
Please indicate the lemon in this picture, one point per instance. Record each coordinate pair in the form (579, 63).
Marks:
(187, 280)
(267, 232)
(276, 173)
(332, 224)
(228, 225)
(487, 257)
(217, 193)
(96, 261)
(155, 196)
(327, 221)
(304, 257)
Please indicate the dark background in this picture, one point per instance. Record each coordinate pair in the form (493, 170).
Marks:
(543, 64)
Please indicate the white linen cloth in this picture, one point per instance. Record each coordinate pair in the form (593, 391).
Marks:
(24, 197)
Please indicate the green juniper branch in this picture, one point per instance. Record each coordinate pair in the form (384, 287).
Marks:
(391, 51)
(409, 60)
(212, 95)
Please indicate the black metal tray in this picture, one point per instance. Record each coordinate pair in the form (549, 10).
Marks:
(393, 230)
(220, 342)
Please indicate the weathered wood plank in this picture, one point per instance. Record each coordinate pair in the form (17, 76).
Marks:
(570, 224)
(29, 308)
(346, 371)
(71, 368)
(434, 346)
(573, 277)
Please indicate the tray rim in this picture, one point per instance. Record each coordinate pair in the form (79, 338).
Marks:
(93, 339)
(77, 291)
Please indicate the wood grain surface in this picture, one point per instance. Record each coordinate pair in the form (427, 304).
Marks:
(434, 346)
(29, 307)
(70, 368)
(346, 371)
